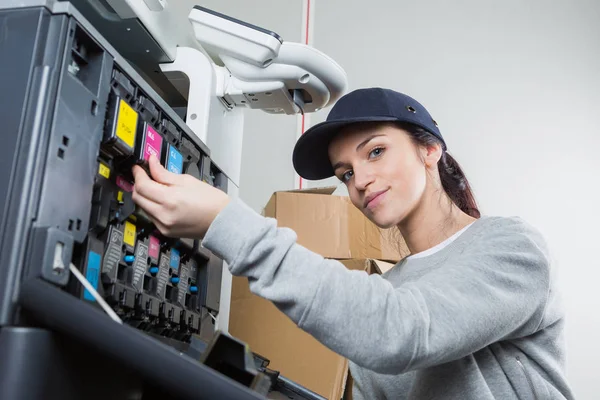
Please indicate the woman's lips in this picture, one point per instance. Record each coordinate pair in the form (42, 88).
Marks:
(375, 199)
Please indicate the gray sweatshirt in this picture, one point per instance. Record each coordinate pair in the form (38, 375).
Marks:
(480, 319)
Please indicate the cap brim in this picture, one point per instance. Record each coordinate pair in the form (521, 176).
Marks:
(311, 153)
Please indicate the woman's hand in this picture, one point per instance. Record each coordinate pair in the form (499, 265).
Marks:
(179, 205)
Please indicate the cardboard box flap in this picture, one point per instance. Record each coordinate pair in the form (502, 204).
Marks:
(270, 209)
(382, 266)
(322, 190)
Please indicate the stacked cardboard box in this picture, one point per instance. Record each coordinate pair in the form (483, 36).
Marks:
(333, 227)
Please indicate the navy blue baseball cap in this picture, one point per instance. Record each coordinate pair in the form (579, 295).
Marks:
(310, 156)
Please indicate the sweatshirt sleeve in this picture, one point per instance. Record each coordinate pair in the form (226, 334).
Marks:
(497, 289)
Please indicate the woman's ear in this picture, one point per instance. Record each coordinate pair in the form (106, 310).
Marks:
(431, 154)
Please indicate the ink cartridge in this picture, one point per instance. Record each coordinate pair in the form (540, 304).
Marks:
(149, 142)
(120, 128)
(125, 273)
(122, 86)
(172, 286)
(123, 284)
(163, 276)
(183, 283)
(167, 291)
(172, 159)
(140, 265)
(116, 293)
(171, 132)
(113, 242)
(189, 151)
(191, 168)
(103, 199)
(125, 204)
(92, 265)
(191, 301)
(148, 110)
(154, 251)
(145, 284)
(191, 157)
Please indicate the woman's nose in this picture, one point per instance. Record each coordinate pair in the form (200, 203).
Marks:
(363, 177)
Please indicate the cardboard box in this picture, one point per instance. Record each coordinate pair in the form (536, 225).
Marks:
(296, 354)
(333, 227)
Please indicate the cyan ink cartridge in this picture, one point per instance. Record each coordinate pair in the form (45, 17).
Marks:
(174, 261)
(92, 267)
(172, 159)
(120, 128)
(172, 285)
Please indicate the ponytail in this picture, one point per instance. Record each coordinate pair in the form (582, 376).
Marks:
(453, 178)
(456, 185)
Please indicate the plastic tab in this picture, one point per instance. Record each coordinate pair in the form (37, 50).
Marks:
(122, 85)
(171, 132)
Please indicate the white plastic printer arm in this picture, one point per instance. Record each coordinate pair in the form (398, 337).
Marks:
(261, 71)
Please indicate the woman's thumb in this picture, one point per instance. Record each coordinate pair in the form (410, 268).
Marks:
(159, 173)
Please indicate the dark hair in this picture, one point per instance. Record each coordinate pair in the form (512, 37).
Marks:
(453, 178)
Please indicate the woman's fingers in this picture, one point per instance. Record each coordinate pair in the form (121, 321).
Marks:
(152, 208)
(161, 174)
(147, 188)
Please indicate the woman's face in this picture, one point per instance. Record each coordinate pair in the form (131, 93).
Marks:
(384, 171)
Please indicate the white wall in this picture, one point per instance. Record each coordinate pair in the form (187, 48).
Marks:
(515, 87)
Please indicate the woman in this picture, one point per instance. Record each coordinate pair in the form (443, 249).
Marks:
(471, 314)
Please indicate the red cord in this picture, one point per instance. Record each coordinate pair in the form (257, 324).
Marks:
(305, 42)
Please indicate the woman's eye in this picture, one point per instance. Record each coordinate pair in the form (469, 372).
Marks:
(347, 175)
(376, 152)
